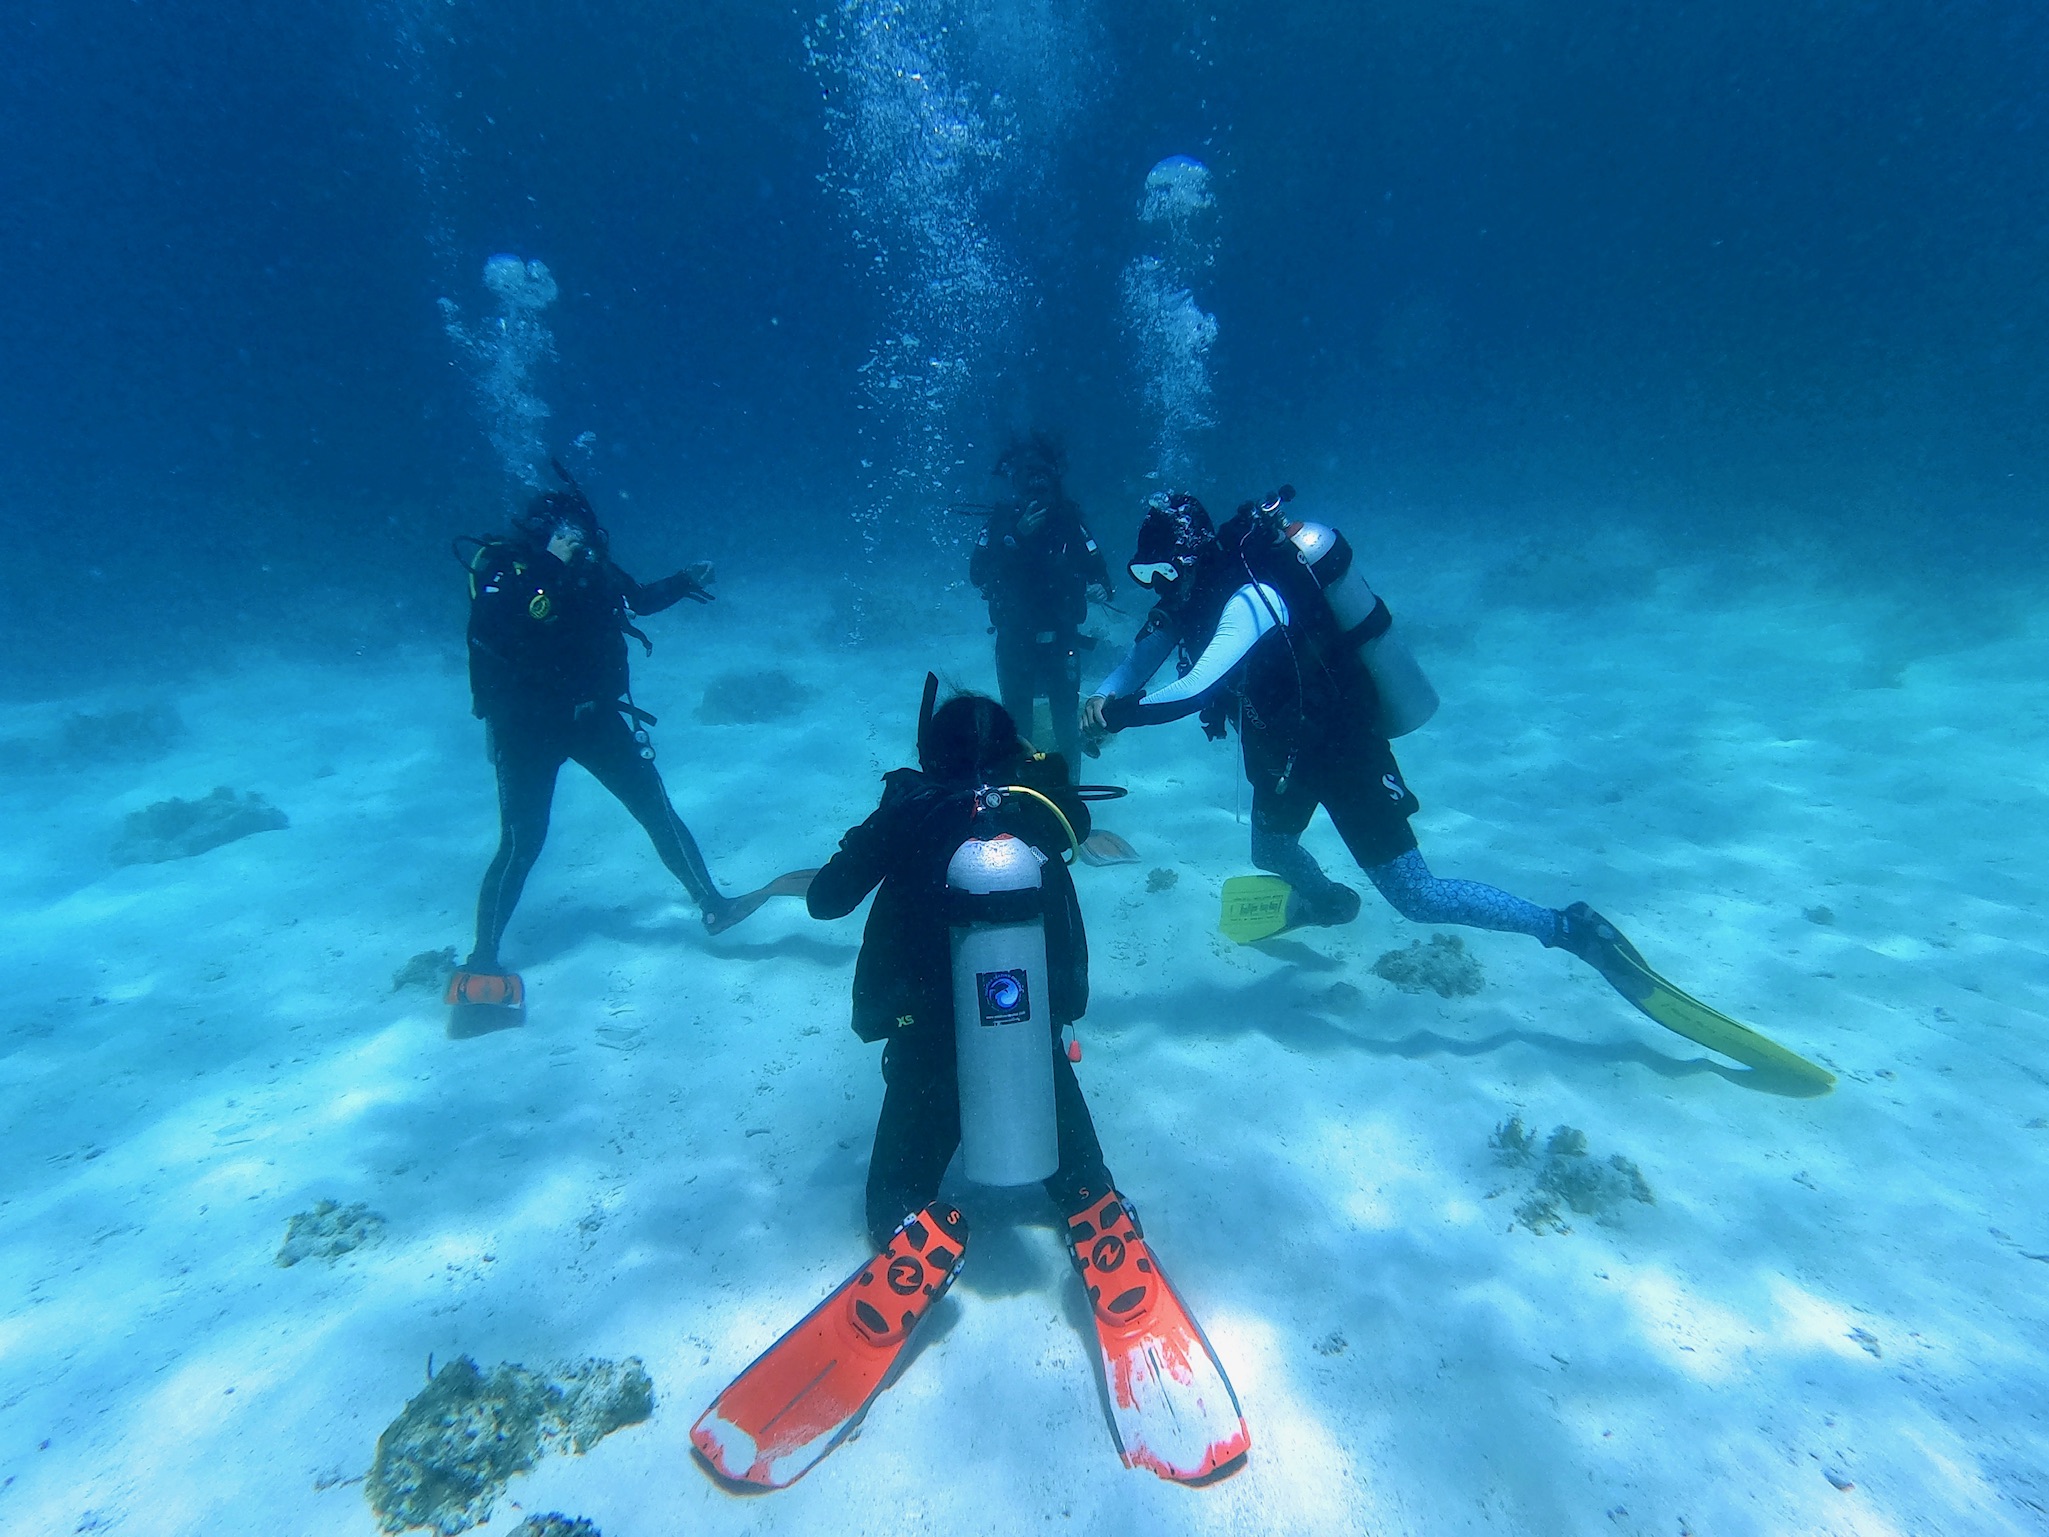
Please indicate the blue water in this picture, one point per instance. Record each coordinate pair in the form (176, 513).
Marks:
(1722, 265)
(1684, 368)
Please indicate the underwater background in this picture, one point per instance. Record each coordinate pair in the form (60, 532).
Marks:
(1720, 270)
(1678, 372)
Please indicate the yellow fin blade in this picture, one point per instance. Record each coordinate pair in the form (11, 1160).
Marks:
(1255, 907)
(1683, 1014)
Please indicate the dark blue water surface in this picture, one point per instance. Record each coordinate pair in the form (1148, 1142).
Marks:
(1721, 268)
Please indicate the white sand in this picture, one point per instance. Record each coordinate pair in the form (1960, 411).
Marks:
(666, 1160)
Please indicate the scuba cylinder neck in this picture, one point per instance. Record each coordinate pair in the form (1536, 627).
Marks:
(1269, 509)
(991, 798)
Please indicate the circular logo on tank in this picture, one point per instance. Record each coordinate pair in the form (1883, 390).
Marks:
(1003, 997)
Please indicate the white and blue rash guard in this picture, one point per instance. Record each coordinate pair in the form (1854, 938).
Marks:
(1249, 614)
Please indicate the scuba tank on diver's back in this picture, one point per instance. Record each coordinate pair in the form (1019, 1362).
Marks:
(1001, 995)
(1407, 700)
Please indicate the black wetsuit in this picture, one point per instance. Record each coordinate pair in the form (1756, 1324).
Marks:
(548, 676)
(1306, 708)
(903, 980)
(1304, 702)
(1037, 587)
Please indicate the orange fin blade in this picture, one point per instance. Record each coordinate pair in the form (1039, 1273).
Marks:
(1173, 1408)
(808, 1391)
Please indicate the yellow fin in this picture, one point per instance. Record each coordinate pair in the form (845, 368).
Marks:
(1683, 1014)
(1255, 907)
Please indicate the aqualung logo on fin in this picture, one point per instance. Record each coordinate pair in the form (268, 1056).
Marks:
(905, 1275)
(1003, 997)
(1394, 787)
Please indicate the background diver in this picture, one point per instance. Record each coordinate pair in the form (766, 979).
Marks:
(1259, 643)
(976, 780)
(1038, 566)
(549, 618)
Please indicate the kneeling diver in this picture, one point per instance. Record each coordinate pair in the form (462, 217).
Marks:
(973, 962)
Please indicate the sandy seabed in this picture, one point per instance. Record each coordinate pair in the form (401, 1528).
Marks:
(1802, 805)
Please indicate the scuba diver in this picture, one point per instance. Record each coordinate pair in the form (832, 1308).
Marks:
(1276, 630)
(970, 975)
(549, 618)
(1259, 645)
(1038, 566)
(903, 977)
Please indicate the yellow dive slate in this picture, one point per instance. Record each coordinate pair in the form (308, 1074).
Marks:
(1255, 907)
(1683, 1014)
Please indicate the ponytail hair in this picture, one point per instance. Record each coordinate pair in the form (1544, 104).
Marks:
(970, 739)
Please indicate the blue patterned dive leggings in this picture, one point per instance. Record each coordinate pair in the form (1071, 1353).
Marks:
(1412, 891)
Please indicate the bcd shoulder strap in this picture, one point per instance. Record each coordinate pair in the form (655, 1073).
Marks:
(481, 558)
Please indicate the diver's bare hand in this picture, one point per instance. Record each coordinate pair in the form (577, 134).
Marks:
(1033, 520)
(1092, 714)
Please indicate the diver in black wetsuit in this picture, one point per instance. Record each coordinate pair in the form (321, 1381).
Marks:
(549, 619)
(982, 798)
(903, 980)
(1038, 566)
(1259, 646)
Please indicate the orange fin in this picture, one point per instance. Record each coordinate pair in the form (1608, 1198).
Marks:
(486, 990)
(808, 1391)
(1171, 1405)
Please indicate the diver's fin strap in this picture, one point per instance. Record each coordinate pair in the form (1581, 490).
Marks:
(486, 990)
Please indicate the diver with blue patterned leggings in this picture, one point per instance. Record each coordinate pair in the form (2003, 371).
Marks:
(1260, 645)
(1275, 631)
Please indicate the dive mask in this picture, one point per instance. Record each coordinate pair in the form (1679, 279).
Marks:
(1147, 572)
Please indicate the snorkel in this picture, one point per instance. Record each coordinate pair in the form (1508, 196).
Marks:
(597, 543)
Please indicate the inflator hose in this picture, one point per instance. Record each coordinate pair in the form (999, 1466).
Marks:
(1073, 843)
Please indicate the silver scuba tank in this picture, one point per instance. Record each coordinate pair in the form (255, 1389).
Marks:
(1406, 698)
(1002, 1032)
